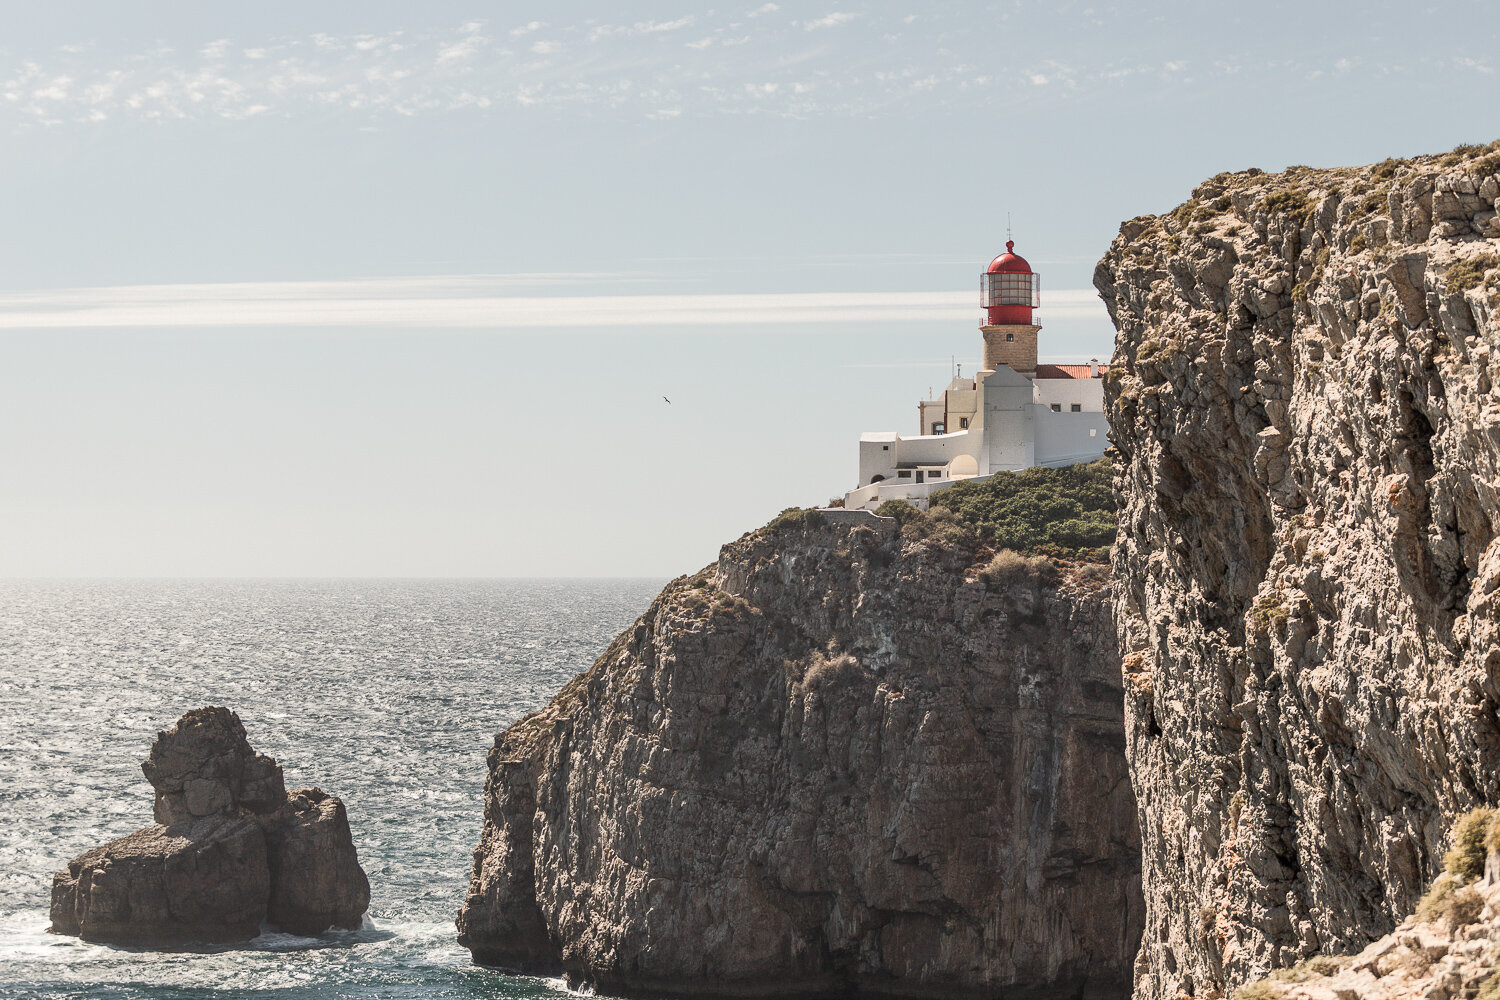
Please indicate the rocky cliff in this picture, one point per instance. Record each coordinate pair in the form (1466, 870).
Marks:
(842, 758)
(232, 849)
(1304, 400)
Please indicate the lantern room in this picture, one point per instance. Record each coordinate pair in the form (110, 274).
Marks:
(1009, 290)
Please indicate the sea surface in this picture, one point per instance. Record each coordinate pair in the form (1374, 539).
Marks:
(385, 693)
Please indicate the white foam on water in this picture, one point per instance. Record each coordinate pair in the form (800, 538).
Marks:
(560, 985)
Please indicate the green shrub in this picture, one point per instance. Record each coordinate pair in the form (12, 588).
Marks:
(1469, 273)
(1485, 165)
(796, 517)
(1450, 899)
(1009, 569)
(1433, 902)
(1386, 169)
(901, 510)
(1317, 967)
(1465, 859)
(1059, 512)
(1268, 611)
(1464, 907)
(1261, 989)
(1291, 202)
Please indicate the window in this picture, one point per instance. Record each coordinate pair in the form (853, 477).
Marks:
(903, 475)
(1010, 338)
(963, 423)
(935, 474)
(940, 428)
(1076, 408)
(885, 447)
(1056, 407)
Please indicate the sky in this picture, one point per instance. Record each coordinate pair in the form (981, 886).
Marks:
(381, 289)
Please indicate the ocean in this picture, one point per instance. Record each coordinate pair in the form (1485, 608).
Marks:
(385, 693)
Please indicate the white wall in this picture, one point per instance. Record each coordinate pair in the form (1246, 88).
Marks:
(1008, 434)
(1067, 438)
(1089, 392)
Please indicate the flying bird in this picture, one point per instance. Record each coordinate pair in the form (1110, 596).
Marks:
(668, 400)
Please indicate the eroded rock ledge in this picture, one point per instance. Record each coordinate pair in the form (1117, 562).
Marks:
(838, 760)
(232, 850)
(1303, 395)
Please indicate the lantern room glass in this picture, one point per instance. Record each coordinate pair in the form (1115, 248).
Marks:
(1010, 289)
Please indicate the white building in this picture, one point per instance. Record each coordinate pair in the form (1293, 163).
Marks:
(1012, 415)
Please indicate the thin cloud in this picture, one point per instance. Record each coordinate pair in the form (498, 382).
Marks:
(476, 302)
(707, 63)
(830, 21)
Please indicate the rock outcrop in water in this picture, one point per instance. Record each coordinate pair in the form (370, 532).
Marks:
(838, 760)
(1305, 395)
(232, 850)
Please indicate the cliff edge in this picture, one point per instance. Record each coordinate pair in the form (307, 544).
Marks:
(841, 759)
(1303, 395)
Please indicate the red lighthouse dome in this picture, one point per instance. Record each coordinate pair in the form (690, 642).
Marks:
(1009, 290)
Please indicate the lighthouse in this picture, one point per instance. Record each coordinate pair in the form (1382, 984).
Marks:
(1011, 414)
(1009, 290)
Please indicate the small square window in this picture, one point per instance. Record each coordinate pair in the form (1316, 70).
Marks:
(1056, 407)
(1076, 408)
(885, 447)
(1010, 338)
(963, 423)
(940, 428)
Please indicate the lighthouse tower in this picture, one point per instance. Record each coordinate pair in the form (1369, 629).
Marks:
(1009, 290)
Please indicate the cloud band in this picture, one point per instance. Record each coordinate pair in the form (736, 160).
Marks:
(449, 302)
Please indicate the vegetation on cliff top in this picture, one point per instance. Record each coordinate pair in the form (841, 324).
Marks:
(1066, 513)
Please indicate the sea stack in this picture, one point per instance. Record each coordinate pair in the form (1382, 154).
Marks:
(232, 850)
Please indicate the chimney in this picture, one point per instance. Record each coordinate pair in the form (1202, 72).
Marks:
(1093, 367)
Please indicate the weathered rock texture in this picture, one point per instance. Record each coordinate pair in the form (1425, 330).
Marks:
(832, 761)
(1304, 398)
(1443, 954)
(232, 850)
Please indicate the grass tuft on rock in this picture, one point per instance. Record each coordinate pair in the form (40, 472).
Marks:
(1465, 859)
(1469, 273)
(1291, 202)
(1451, 900)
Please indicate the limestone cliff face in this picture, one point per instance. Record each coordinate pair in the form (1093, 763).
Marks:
(833, 760)
(1303, 395)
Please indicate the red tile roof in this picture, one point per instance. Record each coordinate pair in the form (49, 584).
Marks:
(1067, 371)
